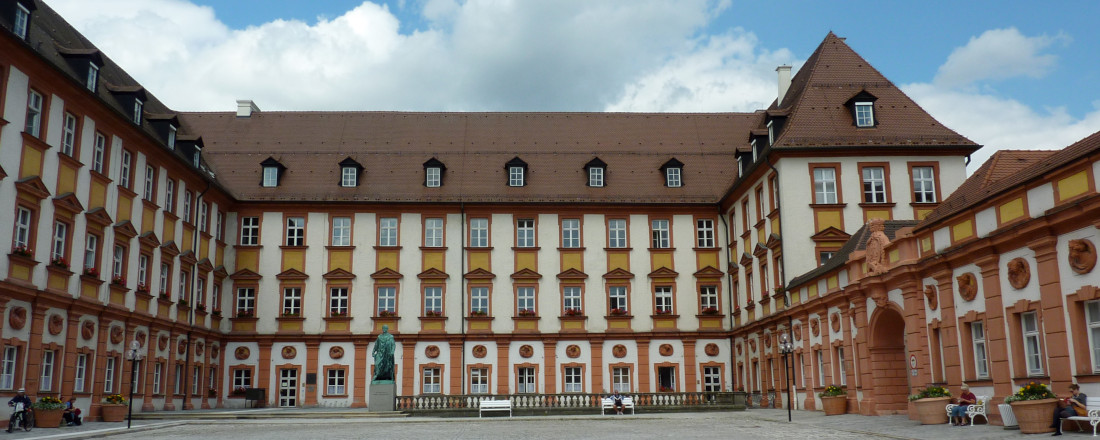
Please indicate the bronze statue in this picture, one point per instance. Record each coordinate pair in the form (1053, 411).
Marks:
(383, 356)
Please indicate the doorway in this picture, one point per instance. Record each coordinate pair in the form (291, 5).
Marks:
(666, 379)
(890, 378)
(288, 387)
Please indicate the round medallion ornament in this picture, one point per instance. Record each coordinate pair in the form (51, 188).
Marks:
(619, 351)
(835, 321)
(241, 353)
(140, 338)
(968, 286)
(573, 351)
(1082, 256)
(215, 350)
(289, 352)
(336, 352)
(665, 350)
(815, 327)
(431, 351)
(87, 329)
(752, 345)
(181, 346)
(798, 332)
(526, 351)
(768, 341)
(116, 335)
(17, 318)
(711, 349)
(199, 347)
(480, 351)
(739, 349)
(57, 323)
(930, 296)
(1019, 273)
(162, 342)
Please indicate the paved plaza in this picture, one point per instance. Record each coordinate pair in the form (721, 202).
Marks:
(752, 424)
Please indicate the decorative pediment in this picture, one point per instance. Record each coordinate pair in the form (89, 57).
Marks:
(149, 239)
(732, 269)
(830, 234)
(205, 265)
(618, 274)
(572, 274)
(773, 241)
(125, 229)
(3, 173)
(338, 274)
(188, 257)
(708, 272)
(526, 274)
(433, 274)
(479, 274)
(664, 272)
(33, 186)
(291, 274)
(169, 247)
(387, 274)
(245, 274)
(99, 217)
(759, 251)
(220, 272)
(746, 259)
(68, 202)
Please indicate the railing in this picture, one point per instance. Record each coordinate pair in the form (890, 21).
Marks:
(563, 401)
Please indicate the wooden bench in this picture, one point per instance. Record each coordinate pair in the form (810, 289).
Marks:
(607, 403)
(973, 410)
(1093, 405)
(494, 405)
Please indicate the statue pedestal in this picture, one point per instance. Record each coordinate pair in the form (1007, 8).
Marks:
(382, 397)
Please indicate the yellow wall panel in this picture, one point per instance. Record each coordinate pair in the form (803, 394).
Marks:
(775, 226)
(826, 219)
(706, 258)
(387, 259)
(962, 230)
(831, 282)
(812, 290)
(572, 260)
(148, 219)
(97, 195)
(1012, 209)
(339, 259)
(618, 260)
(294, 259)
(1074, 185)
(923, 212)
(169, 231)
(204, 248)
(661, 259)
(219, 256)
(761, 236)
(32, 162)
(884, 214)
(432, 260)
(894, 256)
(479, 260)
(56, 282)
(248, 259)
(188, 237)
(66, 179)
(125, 208)
(926, 244)
(527, 260)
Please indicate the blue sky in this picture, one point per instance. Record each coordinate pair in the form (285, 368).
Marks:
(1007, 74)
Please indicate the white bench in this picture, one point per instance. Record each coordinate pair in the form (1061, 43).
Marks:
(1093, 405)
(974, 409)
(494, 405)
(607, 403)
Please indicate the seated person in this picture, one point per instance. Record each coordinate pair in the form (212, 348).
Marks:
(20, 397)
(617, 400)
(72, 413)
(1076, 400)
(966, 398)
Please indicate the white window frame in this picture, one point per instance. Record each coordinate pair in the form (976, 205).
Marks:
(170, 195)
(60, 239)
(22, 21)
(981, 356)
(49, 357)
(143, 268)
(820, 355)
(712, 379)
(164, 277)
(204, 216)
(515, 176)
(341, 231)
(572, 298)
(109, 375)
(80, 372)
(620, 379)
(336, 382)
(771, 137)
(292, 301)
(172, 137)
(704, 233)
(924, 184)
(479, 381)
(840, 366)
(662, 299)
(187, 206)
(433, 380)
(250, 231)
(432, 177)
(525, 233)
(242, 378)
(387, 232)
(479, 232)
(571, 233)
(270, 177)
(1033, 344)
(124, 170)
(825, 186)
(295, 231)
(150, 180)
(618, 296)
(387, 299)
(33, 124)
(525, 299)
(1092, 319)
(479, 299)
(158, 373)
(616, 234)
(433, 232)
(118, 261)
(99, 149)
(526, 380)
(659, 229)
(246, 301)
(595, 177)
(865, 114)
(349, 177)
(673, 177)
(573, 380)
(138, 106)
(68, 135)
(433, 300)
(708, 297)
(92, 78)
(7, 367)
(23, 219)
(874, 184)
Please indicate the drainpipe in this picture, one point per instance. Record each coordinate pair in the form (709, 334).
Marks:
(187, 373)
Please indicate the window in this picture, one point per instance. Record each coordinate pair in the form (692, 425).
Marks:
(432, 177)
(164, 278)
(924, 185)
(479, 232)
(874, 185)
(150, 181)
(246, 302)
(124, 171)
(525, 380)
(271, 177)
(172, 137)
(143, 270)
(662, 300)
(659, 231)
(60, 240)
(184, 293)
(525, 301)
(525, 233)
(242, 378)
(295, 231)
(34, 114)
(7, 369)
(571, 300)
(515, 176)
(1092, 311)
(179, 379)
(595, 177)
(187, 206)
(204, 216)
(22, 18)
(137, 110)
(704, 233)
(196, 376)
(387, 301)
(1032, 344)
(433, 232)
(865, 114)
(170, 195)
(250, 231)
(432, 380)
(98, 152)
(824, 256)
(571, 233)
(292, 301)
(620, 379)
(216, 296)
(349, 177)
(46, 380)
(981, 367)
(109, 376)
(341, 231)
(708, 299)
(479, 381)
(672, 177)
(771, 136)
(616, 233)
(617, 300)
(68, 135)
(820, 367)
(23, 217)
(387, 232)
(573, 383)
(840, 366)
(200, 295)
(479, 301)
(158, 373)
(712, 379)
(336, 382)
(81, 372)
(118, 265)
(825, 185)
(433, 301)
(219, 226)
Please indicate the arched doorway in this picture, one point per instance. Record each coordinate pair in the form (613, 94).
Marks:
(888, 365)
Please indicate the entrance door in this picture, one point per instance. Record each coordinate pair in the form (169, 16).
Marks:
(666, 379)
(288, 387)
(889, 376)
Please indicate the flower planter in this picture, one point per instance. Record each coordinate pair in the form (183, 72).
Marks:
(1034, 416)
(834, 405)
(930, 411)
(47, 418)
(113, 412)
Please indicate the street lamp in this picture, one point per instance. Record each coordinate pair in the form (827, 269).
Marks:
(786, 346)
(134, 358)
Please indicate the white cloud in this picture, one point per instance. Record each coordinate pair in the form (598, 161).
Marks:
(998, 54)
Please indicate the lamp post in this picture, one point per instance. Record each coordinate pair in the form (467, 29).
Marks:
(134, 358)
(786, 346)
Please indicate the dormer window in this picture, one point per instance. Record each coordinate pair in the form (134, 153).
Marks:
(172, 137)
(138, 105)
(22, 20)
(597, 170)
(93, 76)
(673, 170)
(517, 172)
(755, 154)
(349, 173)
(771, 138)
(740, 168)
(433, 173)
(196, 158)
(865, 114)
(272, 173)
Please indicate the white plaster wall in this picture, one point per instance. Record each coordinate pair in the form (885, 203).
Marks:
(655, 358)
(585, 359)
(490, 359)
(362, 301)
(352, 374)
(985, 221)
(538, 359)
(941, 239)
(1072, 281)
(25, 332)
(929, 314)
(962, 307)
(630, 358)
(420, 358)
(1040, 199)
(896, 297)
(722, 357)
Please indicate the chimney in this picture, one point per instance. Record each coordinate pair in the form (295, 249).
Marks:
(784, 84)
(245, 107)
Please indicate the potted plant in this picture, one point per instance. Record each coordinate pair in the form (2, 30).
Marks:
(245, 313)
(211, 392)
(59, 262)
(834, 400)
(141, 287)
(22, 251)
(478, 314)
(1033, 406)
(710, 310)
(118, 281)
(433, 313)
(216, 314)
(664, 311)
(47, 412)
(573, 312)
(91, 272)
(386, 314)
(618, 312)
(930, 403)
(113, 408)
(526, 313)
(237, 392)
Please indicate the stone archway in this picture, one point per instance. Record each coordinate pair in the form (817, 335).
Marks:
(890, 380)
